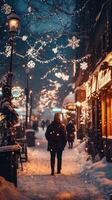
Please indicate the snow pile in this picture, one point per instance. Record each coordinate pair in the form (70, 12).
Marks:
(9, 192)
(100, 174)
(80, 155)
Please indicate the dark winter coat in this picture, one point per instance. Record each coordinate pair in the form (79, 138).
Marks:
(70, 132)
(56, 136)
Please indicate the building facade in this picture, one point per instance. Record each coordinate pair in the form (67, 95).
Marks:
(94, 23)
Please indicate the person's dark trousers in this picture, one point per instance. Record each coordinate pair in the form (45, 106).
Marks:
(53, 153)
(59, 161)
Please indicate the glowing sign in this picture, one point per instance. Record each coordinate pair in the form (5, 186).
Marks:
(56, 109)
(104, 77)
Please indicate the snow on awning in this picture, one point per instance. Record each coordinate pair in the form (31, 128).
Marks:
(69, 102)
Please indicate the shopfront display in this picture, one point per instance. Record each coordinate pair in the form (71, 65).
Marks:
(99, 96)
(107, 116)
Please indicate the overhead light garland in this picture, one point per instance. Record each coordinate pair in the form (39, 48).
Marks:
(63, 76)
(33, 52)
(31, 64)
(48, 98)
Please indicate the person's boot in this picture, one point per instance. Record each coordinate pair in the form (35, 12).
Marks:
(52, 172)
(59, 171)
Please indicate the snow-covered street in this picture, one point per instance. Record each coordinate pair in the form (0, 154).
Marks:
(75, 182)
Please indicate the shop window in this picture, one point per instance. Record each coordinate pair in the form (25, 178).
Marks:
(107, 116)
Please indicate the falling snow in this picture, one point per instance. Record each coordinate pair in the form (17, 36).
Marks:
(31, 64)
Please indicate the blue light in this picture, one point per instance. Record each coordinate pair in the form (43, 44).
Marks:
(56, 109)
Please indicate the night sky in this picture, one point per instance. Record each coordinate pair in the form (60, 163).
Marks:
(43, 42)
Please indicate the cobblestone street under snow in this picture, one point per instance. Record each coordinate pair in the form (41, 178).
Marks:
(73, 184)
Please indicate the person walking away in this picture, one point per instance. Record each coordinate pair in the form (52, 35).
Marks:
(56, 137)
(35, 125)
(70, 134)
(47, 122)
(43, 124)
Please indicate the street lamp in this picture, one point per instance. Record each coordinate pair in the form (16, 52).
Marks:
(13, 24)
(31, 104)
(27, 97)
(28, 94)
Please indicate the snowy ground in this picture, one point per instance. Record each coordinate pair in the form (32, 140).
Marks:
(80, 179)
(9, 192)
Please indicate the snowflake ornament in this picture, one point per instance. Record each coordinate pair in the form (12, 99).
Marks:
(31, 64)
(55, 50)
(29, 9)
(8, 51)
(73, 42)
(6, 9)
(32, 53)
(83, 66)
(24, 38)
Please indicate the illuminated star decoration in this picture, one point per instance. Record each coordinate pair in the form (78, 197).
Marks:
(32, 52)
(55, 50)
(18, 96)
(31, 64)
(73, 42)
(29, 9)
(24, 38)
(17, 92)
(6, 9)
(8, 51)
(83, 66)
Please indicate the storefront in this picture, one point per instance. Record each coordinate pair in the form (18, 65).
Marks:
(107, 115)
(69, 108)
(81, 110)
(99, 95)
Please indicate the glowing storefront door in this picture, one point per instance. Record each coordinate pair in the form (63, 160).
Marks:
(107, 116)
